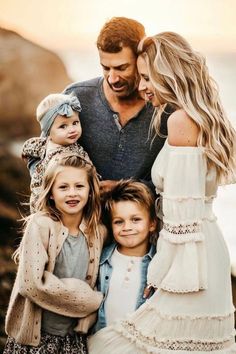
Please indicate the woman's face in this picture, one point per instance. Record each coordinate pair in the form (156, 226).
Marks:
(145, 84)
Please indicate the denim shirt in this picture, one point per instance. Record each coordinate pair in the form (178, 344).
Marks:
(105, 271)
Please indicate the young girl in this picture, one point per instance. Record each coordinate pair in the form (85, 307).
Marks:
(192, 308)
(123, 264)
(58, 115)
(58, 263)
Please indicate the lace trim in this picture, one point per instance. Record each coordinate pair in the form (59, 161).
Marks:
(184, 198)
(182, 229)
(171, 289)
(182, 238)
(189, 345)
(176, 291)
(220, 317)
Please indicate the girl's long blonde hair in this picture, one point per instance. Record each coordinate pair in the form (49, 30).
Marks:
(92, 210)
(180, 77)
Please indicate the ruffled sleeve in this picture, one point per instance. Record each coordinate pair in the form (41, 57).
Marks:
(180, 264)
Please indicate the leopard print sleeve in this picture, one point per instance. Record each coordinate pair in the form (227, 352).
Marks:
(34, 148)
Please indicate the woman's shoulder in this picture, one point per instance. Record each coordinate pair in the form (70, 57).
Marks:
(182, 129)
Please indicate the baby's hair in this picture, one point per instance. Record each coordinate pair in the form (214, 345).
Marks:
(92, 210)
(49, 102)
(134, 191)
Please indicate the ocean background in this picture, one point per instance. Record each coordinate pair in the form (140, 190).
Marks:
(84, 64)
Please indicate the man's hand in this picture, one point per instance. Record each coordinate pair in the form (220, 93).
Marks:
(107, 185)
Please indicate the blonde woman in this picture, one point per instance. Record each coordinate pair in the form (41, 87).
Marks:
(191, 309)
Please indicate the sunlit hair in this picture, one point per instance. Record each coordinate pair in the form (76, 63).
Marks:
(92, 209)
(180, 77)
(134, 191)
(120, 32)
(49, 102)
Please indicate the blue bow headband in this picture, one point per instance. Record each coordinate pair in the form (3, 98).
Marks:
(65, 108)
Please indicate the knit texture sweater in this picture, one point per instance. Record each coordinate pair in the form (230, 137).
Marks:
(36, 286)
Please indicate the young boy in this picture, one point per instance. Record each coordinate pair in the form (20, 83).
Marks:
(58, 115)
(124, 263)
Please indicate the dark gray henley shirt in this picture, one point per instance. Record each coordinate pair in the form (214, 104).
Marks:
(117, 152)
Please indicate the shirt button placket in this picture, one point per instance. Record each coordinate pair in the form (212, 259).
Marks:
(121, 145)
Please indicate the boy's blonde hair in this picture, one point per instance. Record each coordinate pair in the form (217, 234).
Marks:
(134, 191)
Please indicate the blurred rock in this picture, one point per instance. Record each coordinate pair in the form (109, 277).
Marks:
(14, 192)
(28, 72)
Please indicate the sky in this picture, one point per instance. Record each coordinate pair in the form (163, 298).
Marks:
(59, 24)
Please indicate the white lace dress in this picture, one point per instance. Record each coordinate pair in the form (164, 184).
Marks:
(192, 309)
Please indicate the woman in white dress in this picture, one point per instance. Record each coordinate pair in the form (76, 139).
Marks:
(191, 309)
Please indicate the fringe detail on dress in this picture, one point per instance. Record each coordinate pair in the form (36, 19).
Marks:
(160, 327)
(149, 331)
(151, 344)
(116, 340)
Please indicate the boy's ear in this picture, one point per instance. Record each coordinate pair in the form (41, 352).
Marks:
(153, 226)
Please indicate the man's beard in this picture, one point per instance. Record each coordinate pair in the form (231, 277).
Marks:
(130, 87)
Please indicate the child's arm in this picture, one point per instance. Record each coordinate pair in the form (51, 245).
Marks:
(69, 297)
(33, 149)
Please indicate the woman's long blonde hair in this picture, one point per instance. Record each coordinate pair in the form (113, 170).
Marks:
(180, 77)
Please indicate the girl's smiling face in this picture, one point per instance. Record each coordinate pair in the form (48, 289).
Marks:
(70, 191)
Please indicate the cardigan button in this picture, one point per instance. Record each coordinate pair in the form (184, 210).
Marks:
(91, 260)
(88, 277)
(91, 244)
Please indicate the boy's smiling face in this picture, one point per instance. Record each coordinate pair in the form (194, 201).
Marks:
(131, 226)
